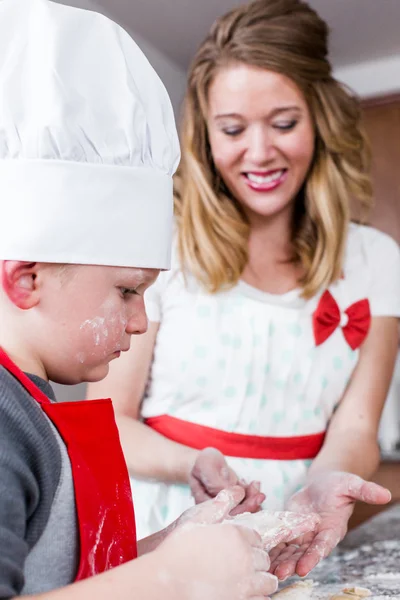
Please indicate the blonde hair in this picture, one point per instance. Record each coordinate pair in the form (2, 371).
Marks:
(288, 37)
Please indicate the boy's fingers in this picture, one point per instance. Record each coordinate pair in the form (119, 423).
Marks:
(261, 560)
(228, 499)
(251, 536)
(263, 584)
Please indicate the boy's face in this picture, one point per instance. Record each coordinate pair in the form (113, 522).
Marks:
(87, 315)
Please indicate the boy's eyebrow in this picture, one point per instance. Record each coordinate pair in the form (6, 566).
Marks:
(141, 276)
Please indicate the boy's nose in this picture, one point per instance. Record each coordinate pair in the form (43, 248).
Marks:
(138, 322)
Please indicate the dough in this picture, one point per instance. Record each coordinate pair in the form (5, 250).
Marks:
(263, 521)
(273, 527)
(301, 590)
(357, 591)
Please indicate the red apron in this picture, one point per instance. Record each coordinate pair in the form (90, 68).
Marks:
(237, 444)
(103, 497)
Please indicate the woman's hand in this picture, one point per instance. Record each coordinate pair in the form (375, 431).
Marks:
(332, 495)
(211, 474)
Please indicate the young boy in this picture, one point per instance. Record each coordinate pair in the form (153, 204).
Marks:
(88, 147)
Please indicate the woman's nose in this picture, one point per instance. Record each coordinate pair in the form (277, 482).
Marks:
(260, 148)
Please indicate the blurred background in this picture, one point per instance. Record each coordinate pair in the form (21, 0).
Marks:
(365, 53)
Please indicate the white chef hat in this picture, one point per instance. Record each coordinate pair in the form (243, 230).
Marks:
(88, 143)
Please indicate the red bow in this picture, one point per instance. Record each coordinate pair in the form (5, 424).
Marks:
(327, 318)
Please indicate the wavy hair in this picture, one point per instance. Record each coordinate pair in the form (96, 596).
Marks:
(288, 37)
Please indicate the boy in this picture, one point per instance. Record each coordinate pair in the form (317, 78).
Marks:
(88, 148)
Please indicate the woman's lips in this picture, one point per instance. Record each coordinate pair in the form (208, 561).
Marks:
(264, 181)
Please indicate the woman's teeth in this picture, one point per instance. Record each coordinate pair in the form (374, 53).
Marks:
(264, 178)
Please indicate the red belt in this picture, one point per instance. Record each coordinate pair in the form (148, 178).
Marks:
(237, 444)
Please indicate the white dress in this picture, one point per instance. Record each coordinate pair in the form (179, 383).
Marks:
(246, 361)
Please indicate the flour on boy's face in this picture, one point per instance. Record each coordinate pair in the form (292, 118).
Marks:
(93, 311)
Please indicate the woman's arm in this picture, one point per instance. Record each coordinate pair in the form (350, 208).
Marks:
(336, 478)
(147, 453)
(351, 443)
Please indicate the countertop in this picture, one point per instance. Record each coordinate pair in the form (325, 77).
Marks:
(369, 557)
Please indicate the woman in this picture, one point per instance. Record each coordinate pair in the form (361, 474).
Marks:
(275, 333)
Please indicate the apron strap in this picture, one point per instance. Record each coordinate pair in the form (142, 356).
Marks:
(35, 392)
(105, 511)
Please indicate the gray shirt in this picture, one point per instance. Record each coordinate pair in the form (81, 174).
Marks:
(39, 544)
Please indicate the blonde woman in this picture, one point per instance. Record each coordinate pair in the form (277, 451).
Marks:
(273, 337)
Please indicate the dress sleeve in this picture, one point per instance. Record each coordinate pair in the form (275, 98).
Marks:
(383, 257)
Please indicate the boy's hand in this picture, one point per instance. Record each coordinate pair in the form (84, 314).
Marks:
(211, 474)
(217, 562)
(212, 511)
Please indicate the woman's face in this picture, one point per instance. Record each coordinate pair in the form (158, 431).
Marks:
(261, 136)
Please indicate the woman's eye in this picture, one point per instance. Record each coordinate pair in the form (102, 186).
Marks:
(285, 125)
(232, 132)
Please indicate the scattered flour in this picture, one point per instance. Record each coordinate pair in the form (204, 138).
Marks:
(395, 576)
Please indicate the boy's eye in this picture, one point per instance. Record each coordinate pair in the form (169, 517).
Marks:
(127, 291)
(285, 125)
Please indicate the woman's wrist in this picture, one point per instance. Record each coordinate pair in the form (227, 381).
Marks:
(320, 471)
(186, 457)
(354, 452)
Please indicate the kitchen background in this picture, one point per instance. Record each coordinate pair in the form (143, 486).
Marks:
(365, 52)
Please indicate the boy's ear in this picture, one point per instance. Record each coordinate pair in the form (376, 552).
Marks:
(19, 280)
